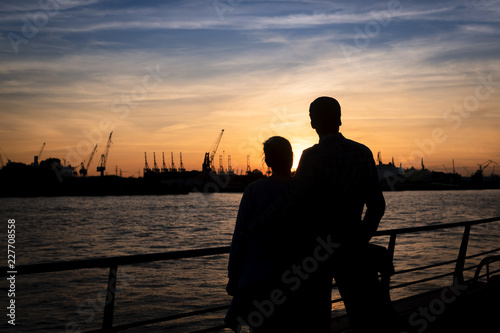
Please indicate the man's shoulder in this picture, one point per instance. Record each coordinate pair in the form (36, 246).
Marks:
(311, 154)
(310, 150)
(339, 144)
(357, 145)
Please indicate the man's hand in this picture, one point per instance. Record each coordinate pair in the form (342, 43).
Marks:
(231, 287)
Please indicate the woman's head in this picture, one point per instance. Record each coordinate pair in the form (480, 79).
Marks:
(278, 153)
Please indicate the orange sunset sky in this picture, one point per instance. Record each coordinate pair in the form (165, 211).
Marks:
(414, 79)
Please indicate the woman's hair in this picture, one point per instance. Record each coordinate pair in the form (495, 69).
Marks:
(278, 152)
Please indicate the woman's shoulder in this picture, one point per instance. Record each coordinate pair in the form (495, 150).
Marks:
(266, 183)
(256, 186)
(265, 189)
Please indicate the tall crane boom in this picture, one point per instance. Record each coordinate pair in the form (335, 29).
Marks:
(479, 173)
(104, 157)
(155, 166)
(172, 166)
(41, 151)
(38, 157)
(249, 170)
(209, 157)
(486, 164)
(91, 157)
(83, 168)
(146, 165)
(181, 166)
(164, 166)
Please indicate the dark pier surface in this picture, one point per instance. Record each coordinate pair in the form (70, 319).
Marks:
(473, 307)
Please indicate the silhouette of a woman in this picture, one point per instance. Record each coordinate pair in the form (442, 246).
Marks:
(256, 260)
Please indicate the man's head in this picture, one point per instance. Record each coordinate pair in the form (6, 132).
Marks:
(325, 115)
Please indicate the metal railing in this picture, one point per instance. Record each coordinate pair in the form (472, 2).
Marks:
(114, 262)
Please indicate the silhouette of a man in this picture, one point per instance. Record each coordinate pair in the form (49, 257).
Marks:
(334, 181)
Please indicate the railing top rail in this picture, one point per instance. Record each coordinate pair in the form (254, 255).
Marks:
(118, 260)
(434, 227)
(144, 258)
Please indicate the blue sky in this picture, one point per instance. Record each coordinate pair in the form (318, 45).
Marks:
(169, 75)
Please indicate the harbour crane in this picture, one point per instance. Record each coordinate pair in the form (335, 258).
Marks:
(164, 166)
(481, 168)
(2, 163)
(155, 166)
(146, 166)
(229, 167)
(249, 170)
(221, 166)
(39, 156)
(181, 166)
(41, 151)
(83, 169)
(479, 173)
(209, 157)
(173, 168)
(104, 157)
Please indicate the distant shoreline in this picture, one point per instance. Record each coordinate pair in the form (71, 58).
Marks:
(19, 180)
(182, 190)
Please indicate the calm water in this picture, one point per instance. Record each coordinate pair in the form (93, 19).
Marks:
(53, 229)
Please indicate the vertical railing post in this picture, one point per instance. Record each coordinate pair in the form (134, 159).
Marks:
(386, 279)
(109, 307)
(458, 275)
(488, 272)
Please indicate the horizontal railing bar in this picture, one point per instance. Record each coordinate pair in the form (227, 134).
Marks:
(402, 285)
(118, 328)
(486, 274)
(483, 253)
(434, 227)
(435, 277)
(119, 260)
(404, 271)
